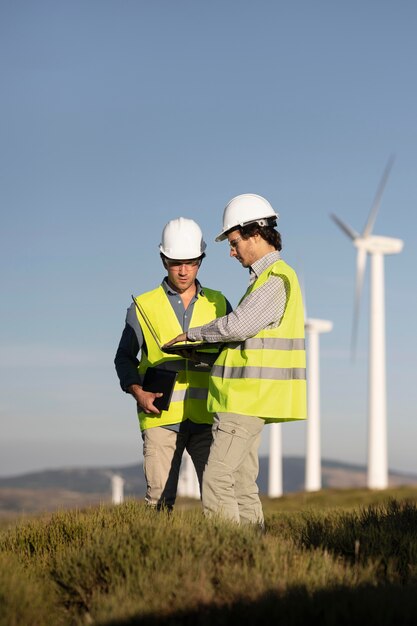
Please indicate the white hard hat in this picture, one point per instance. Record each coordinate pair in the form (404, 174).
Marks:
(245, 209)
(182, 239)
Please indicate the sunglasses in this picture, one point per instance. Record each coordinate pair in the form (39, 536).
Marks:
(188, 263)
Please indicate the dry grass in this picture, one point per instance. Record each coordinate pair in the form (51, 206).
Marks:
(323, 560)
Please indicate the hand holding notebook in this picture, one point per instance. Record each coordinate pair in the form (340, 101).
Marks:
(179, 339)
(160, 380)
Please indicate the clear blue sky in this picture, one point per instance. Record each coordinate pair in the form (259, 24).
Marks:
(118, 116)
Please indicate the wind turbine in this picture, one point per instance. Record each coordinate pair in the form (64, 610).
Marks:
(313, 462)
(275, 461)
(376, 246)
(117, 489)
(313, 452)
(313, 328)
(187, 481)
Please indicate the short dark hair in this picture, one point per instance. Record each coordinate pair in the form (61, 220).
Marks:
(269, 233)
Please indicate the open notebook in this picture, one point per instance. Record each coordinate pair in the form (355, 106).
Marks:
(195, 346)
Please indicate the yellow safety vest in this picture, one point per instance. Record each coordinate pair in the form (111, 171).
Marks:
(189, 398)
(265, 375)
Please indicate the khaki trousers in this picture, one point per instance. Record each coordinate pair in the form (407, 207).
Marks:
(162, 454)
(229, 480)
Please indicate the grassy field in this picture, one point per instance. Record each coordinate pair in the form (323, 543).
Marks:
(330, 558)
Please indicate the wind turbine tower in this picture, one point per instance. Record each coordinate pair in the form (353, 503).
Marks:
(275, 489)
(377, 247)
(187, 481)
(117, 489)
(313, 449)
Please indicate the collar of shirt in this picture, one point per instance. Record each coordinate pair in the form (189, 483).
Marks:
(262, 264)
(171, 292)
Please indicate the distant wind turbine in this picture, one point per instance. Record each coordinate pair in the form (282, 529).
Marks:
(313, 448)
(313, 328)
(275, 461)
(117, 489)
(376, 246)
(187, 481)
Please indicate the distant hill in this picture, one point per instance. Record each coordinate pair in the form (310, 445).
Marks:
(82, 480)
(78, 487)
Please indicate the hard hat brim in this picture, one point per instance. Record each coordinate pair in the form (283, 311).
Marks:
(223, 235)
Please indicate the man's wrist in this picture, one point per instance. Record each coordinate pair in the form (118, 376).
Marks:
(130, 382)
(134, 390)
(191, 335)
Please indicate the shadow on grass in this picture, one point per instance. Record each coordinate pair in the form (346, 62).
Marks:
(382, 606)
(384, 534)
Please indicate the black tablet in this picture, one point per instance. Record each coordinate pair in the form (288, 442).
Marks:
(178, 348)
(159, 380)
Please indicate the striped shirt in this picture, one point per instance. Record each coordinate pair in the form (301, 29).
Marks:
(263, 308)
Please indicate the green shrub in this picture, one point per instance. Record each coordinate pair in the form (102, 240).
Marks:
(129, 564)
(25, 599)
(384, 534)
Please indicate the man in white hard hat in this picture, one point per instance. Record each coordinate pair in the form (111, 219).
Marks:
(160, 313)
(260, 376)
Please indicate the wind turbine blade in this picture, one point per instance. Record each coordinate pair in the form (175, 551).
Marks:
(303, 294)
(377, 201)
(352, 234)
(360, 275)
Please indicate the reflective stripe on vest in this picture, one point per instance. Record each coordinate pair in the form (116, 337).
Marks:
(189, 398)
(266, 373)
(193, 393)
(270, 343)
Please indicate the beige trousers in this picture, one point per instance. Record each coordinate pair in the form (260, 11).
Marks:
(229, 480)
(162, 454)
